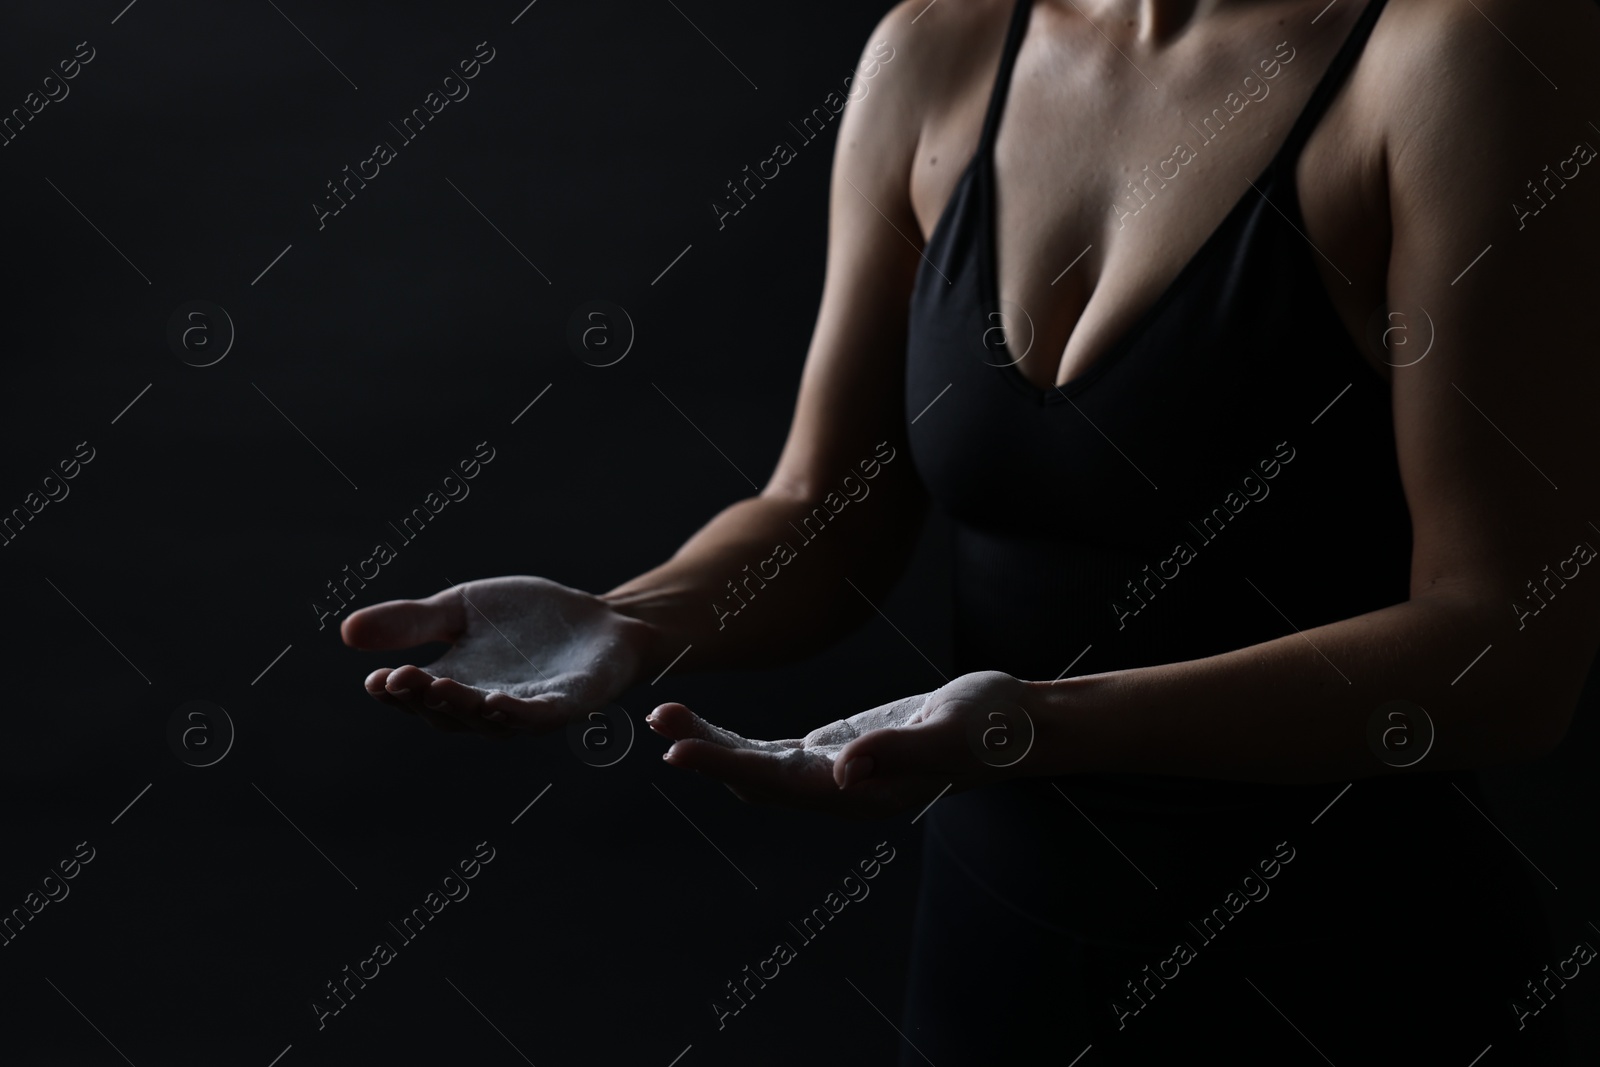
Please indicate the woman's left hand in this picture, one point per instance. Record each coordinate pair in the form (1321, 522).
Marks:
(972, 731)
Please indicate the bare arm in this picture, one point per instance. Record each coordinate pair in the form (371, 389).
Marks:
(1498, 416)
(772, 577)
(1496, 437)
(765, 580)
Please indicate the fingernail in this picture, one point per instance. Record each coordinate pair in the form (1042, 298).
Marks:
(667, 755)
(493, 715)
(435, 705)
(856, 771)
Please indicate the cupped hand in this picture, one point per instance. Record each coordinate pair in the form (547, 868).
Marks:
(526, 654)
(972, 731)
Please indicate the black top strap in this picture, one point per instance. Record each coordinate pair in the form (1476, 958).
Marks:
(1332, 82)
(1002, 78)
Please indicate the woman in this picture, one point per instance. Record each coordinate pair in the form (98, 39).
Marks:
(1208, 324)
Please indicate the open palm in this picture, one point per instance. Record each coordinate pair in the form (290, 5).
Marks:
(971, 731)
(526, 654)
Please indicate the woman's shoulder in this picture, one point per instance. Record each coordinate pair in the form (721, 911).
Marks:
(939, 46)
(1434, 49)
(1499, 73)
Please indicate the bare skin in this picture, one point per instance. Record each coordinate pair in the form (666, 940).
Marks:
(523, 650)
(1409, 176)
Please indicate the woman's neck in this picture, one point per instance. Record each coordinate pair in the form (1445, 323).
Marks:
(1154, 22)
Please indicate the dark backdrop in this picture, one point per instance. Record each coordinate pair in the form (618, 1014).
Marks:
(370, 356)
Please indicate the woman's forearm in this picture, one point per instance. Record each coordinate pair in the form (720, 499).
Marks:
(774, 578)
(1299, 708)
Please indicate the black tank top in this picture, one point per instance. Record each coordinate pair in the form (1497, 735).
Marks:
(1226, 474)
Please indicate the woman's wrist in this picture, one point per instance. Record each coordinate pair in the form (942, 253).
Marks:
(653, 645)
(1064, 715)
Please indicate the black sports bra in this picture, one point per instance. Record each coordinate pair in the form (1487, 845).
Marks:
(1237, 412)
(1226, 474)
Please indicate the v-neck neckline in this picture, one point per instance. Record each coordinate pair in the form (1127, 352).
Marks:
(980, 169)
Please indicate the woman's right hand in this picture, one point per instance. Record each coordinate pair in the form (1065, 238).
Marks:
(527, 654)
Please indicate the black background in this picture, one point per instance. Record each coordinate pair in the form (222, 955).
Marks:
(396, 339)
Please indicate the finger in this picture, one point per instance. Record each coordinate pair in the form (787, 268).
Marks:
(535, 714)
(451, 697)
(375, 689)
(464, 703)
(407, 685)
(405, 623)
(794, 780)
(678, 723)
(791, 777)
(898, 752)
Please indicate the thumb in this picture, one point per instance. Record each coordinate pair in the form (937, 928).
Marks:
(894, 752)
(405, 623)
